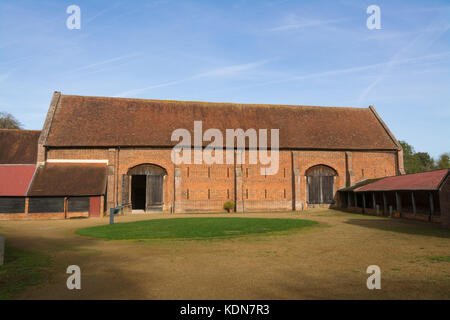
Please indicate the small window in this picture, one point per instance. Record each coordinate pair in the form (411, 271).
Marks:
(228, 193)
(265, 193)
(188, 172)
(284, 172)
(209, 172)
(228, 172)
(246, 172)
(187, 194)
(209, 194)
(246, 193)
(285, 193)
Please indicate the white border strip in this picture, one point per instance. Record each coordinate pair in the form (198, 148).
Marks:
(75, 161)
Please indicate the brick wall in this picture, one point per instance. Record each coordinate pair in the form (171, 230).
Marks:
(203, 187)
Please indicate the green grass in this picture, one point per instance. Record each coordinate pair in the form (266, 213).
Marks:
(440, 258)
(193, 228)
(21, 270)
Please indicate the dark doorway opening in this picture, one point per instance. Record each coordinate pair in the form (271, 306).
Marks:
(138, 191)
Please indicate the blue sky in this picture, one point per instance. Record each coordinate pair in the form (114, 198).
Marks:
(281, 52)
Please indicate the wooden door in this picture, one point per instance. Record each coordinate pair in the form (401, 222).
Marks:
(154, 192)
(320, 181)
(94, 206)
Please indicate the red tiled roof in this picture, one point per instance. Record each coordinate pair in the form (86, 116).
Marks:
(418, 181)
(18, 146)
(104, 122)
(15, 179)
(68, 179)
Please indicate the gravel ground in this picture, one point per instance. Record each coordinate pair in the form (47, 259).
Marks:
(326, 262)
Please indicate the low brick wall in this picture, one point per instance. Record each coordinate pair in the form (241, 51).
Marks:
(42, 216)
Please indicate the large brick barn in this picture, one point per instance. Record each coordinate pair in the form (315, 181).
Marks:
(103, 152)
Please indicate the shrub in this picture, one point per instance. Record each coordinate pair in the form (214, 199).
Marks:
(229, 205)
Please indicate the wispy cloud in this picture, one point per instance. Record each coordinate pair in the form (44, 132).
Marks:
(342, 71)
(232, 70)
(305, 24)
(424, 39)
(102, 12)
(108, 61)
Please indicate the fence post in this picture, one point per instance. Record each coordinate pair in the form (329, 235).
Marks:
(111, 215)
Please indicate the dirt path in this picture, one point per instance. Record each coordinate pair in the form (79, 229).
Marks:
(328, 262)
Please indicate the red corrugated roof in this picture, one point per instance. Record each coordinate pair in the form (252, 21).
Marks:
(417, 181)
(15, 179)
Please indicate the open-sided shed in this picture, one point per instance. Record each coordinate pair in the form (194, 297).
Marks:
(424, 196)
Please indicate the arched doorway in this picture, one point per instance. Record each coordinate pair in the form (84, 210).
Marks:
(146, 187)
(320, 184)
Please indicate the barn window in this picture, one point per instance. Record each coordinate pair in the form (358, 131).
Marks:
(284, 192)
(188, 172)
(320, 184)
(284, 172)
(246, 193)
(228, 172)
(209, 194)
(265, 193)
(228, 193)
(209, 172)
(246, 172)
(187, 194)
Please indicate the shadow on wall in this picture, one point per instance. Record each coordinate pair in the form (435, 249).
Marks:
(403, 226)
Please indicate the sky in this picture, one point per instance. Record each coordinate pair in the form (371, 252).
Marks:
(318, 53)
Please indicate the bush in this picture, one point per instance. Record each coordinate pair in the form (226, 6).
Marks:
(229, 205)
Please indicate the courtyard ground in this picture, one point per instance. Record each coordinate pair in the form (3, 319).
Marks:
(324, 262)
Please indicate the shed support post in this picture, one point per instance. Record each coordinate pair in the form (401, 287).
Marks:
(399, 203)
(364, 202)
(348, 200)
(356, 199)
(413, 200)
(374, 201)
(430, 196)
(384, 203)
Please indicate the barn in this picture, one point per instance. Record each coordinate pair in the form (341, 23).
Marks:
(95, 153)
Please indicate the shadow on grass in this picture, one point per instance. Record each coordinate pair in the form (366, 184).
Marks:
(21, 270)
(403, 226)
(41, 273)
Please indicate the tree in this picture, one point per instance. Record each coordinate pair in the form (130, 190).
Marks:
(410, 162)
(415, 162)
(444, 161)
(8, 121)
(426, 162)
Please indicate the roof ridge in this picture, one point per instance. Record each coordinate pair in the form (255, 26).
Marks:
(211, 103)
(19, 130)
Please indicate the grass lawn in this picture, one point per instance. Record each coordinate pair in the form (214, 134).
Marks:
(193, 228)
(21, 269)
